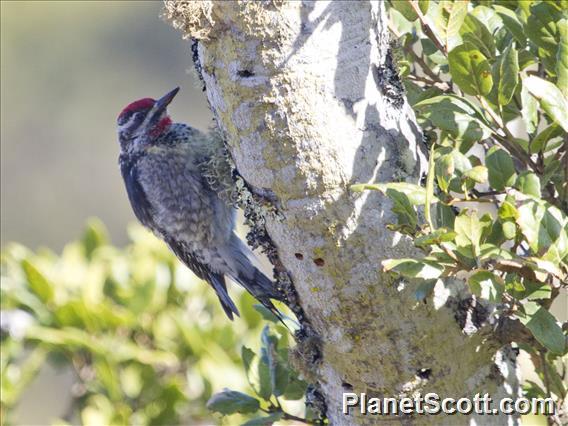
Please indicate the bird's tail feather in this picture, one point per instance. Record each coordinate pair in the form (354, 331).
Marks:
(220, 287)
(246, 273)
(251, 278)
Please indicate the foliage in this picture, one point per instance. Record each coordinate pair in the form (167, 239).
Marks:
(488, 81)
(271, 379)
(147, 342)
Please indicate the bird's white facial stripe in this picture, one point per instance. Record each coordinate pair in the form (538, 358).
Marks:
(129, 123)
(148, 117)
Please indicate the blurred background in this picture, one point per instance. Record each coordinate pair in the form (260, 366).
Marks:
(67, 70)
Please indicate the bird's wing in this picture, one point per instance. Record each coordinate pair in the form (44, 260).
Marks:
(138, 200)
(216, 280)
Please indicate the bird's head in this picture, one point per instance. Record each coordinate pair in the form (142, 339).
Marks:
(144, 120)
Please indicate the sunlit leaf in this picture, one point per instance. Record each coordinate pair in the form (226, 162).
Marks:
(562, 58)
(456, 16)
(500, 167)
(542, 28)
(544, 226)
(529, 111)
(477, 37)
(528, 183)
(455, 115)
(468, 229)
(512, 22)
(477, 174)
(550, 99)
(509, 75)
(540, 141)
(230, 402)
(486, 285)
(425, 289)
(413, 268)
(264, 421)
(543, 327)
(470, 70)
(38, 283)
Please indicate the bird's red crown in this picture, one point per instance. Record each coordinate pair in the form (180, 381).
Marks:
(139, 105)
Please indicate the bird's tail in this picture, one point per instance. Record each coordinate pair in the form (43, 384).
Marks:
(245, 272)
(218, 283)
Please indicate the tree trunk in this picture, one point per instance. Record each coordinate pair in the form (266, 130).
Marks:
(310, 103)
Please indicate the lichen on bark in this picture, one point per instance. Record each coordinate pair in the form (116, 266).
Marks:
(308, 100)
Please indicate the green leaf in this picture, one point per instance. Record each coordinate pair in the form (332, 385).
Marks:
(425, 289)
(402, 25)
(131, 380)
(475, 34)
(264, 380)
(264, 421)
(95, 235)
(542, 28)
(296, 389)
(526, 58)
(429, 189)
(477, 174)
(416, 194)
(436, 237)
(402, 207)
(247, 355)
(412, 268)
(562, 58)
(537, 291)
(500, 167)
(557, 383)
(468, 229)
(489, 17)
(543, 327)
(544, 227)
(509, 230)
(508, 75)
(424, 5)
(444, 170)
(404, 7)
(415, 93)
(278, 374)
(456, 16)
(540, 141)
(455, 115)
(230, 402)
(550, 99)
(528, 183)
(444, 216)
(470, 70)
(37, 282)
(486, 285)
(513, 24)
(532, 390)
(266, 313)
(529, 110)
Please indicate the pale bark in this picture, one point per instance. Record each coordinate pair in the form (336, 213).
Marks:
(307, 99)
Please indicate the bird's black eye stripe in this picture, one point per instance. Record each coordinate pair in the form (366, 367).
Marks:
(124, 118)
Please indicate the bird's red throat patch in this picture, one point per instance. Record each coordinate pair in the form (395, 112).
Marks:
(161, 126)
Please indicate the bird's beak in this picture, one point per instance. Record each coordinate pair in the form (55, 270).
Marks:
(164, 101)
(157, 110)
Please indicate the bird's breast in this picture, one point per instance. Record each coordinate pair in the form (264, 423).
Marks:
(183, 205)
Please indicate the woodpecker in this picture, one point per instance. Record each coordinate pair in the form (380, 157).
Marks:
(166, 169)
